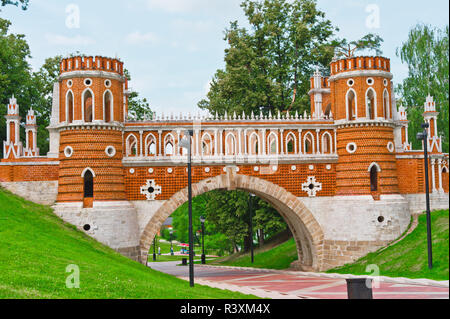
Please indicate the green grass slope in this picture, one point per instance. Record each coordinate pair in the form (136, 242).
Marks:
(279, 257)
(36, 247)
(409, 257)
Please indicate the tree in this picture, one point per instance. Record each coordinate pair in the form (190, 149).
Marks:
(266, 220)
(41, 88)
(24, 3)
(15, 73)
(268, 66)
(368, 42)
(426, 52)
(138, 109)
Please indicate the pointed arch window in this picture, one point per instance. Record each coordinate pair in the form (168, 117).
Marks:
(169, 148)
(386, 105)
(273, 144)
(131, 145)
(351, 105)
(371, 104)
(374, 169)
(291, 144)
(108, 108)
(309, 143)
(230, 142)
(69, 107)
(88, 184)
(253, 144)
(88, 106)
(150, 145)
(207, 145)
(326, 143)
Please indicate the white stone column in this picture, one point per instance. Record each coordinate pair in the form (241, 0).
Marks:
(245, 143)
(177, 149)
(441, 189)
(159, 142)
(263, 141)
(140, 143)
(282, 141)
(240, 142)
(433, 175)
(300, 149)
(197, 142)
(216, 146)
(221, 142)
(318, 142)
(335, 141)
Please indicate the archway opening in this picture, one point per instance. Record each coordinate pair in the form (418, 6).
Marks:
(307, 233)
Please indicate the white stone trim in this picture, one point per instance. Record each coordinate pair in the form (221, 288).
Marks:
(113, 153)
(55, 163)
(88, 169)
(376, 165)
(361, 73)
(350, 145)
(390, 147)
(68, 151)
(91, 73)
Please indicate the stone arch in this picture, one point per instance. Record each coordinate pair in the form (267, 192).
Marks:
(306, 230)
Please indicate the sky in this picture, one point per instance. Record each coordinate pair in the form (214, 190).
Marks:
(173, 48)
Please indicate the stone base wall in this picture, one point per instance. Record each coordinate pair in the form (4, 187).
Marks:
(43, 193)
(417, 202)
(360, 218)
(130, 252)
(114, 224)
(339, 253)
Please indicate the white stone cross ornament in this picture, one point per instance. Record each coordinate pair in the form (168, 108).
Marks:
(311, 186)
(150, 190)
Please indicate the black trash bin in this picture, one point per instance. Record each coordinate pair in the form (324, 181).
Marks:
(184, 261)
(360, 288)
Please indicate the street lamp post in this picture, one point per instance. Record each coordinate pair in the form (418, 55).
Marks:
(171, 244)
(202, 220)
(250, 206)
(423, 136)
(154, 248)
(187, 144)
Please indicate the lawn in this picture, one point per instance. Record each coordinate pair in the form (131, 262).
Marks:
(409, 258)
(279, 257)
(37, 247)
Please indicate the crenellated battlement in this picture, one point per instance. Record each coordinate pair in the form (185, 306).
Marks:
(89, 63)
(360, 63)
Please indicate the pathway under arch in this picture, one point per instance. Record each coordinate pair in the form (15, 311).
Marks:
(304, 227)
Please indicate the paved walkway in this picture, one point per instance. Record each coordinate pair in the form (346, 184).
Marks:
(293, 285)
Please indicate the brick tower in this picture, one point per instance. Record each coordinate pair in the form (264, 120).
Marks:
(361, 93)
(91, 116)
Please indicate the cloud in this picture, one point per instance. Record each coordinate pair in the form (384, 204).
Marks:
(185, 6)
(172, 5)
(141, 38)
(78, 40)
